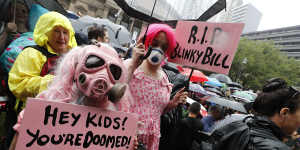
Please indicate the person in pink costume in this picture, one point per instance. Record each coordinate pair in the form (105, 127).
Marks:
(149, 84)
(92, 76)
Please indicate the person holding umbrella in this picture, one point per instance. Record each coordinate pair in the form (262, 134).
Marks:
(149, 85)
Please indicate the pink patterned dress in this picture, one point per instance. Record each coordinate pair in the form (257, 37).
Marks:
(150, 98)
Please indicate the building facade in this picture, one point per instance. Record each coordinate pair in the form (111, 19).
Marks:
(247, 14)
(238, 12)
(226, 15)
(287, 39)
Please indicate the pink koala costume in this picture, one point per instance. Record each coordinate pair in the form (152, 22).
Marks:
(92, 76)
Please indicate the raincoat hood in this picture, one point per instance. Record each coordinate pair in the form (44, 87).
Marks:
(152, 32)
(47, 22)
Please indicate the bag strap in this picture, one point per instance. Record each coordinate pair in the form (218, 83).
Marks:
(262, 134)
(239, 129)
(43, 50)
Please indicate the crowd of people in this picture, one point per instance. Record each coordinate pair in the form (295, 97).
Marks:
(95, 75)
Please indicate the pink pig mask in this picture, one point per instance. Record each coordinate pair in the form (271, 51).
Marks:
(100, 74)
(92, 76)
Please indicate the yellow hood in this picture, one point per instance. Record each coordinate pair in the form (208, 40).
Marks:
(47, 22)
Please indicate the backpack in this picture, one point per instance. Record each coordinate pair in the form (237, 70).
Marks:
(48, 67)
(235, 135)
(240, 135)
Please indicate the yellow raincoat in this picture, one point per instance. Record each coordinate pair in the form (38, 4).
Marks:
(24, 77)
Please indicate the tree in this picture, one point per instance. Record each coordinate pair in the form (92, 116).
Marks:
(264, 61)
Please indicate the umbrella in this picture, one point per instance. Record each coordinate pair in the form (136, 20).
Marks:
(197, 88)
(213, 82)
(210, 86)
(171, 66)
(118, 34)
(51, 5)
(254, 95)
(243, 95)
(222, 78)
(235, 84)
(228, 103)
(214, 90)
(196, 75)
(169, 11)
(229, 119)
(212, 93)
(203, 111)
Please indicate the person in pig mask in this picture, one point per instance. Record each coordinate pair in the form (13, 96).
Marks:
(91, 76)
(149, 84)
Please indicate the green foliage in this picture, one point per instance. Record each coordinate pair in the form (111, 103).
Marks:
(264, 61)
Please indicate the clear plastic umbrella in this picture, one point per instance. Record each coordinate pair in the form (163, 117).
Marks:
(171, 10)
(243, 95)
(203, 110)
(228, 103)
(229, 119)
(197, 88)
(222, 78)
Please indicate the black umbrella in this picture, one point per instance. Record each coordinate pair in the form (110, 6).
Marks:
(51, 5)
(4, 5)
(171, 67)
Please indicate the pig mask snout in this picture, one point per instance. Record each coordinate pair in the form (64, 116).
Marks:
(116, 92)
(96, 87)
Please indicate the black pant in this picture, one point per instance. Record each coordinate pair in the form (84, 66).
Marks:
(10, 121)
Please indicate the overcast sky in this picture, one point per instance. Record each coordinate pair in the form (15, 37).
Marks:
(277, 13)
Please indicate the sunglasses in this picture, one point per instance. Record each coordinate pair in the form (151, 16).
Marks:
(95, 63)
(278, 83)
(294, 92)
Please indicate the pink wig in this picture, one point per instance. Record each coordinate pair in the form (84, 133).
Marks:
(152, 32)
(62, 88)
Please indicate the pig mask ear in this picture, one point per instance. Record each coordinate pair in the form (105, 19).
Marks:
(116, 92)
(63, 87)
